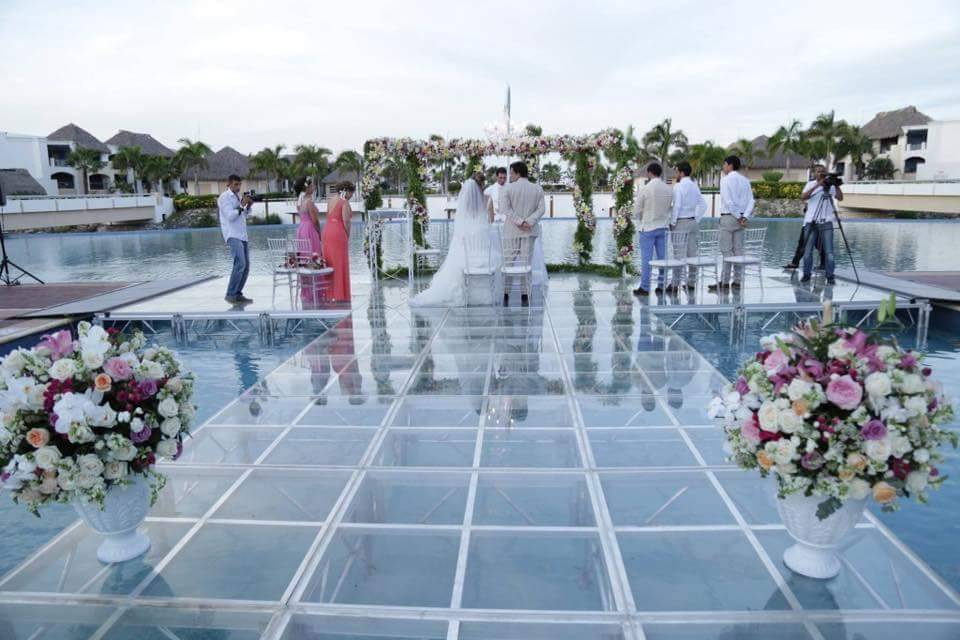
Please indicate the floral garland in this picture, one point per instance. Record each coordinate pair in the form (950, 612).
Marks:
(623, 228)
(373, 238)
(584, 162)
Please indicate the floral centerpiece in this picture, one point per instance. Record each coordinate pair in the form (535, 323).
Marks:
(837, 416)
(81, 420)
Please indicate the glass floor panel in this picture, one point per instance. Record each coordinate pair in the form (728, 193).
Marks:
(476, 473)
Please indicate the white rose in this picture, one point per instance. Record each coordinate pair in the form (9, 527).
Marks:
(28, 496)
(899, 445)
(67, 481)
(769, 417)
(783, 451)
(168, 408)
(125, 452)
(878, 450)
(878, 385)
(90, 464)
(47, 457)
(916, 481)
(149, 354)
(100, 415)
(175, 385)
(915, 405)
(798, 389)
(716, 409)
(14, 362)
(115, 470)
(859, 489)
(88, 481)
(170, 427)
(921, 456)
(137, 425)
(912, 383)
(167, 448)
(886, 353)
(80, 434)
(789, 421)
(92, 359)
(63, 369)
(838, 350)
(49, 486)
(123, 416)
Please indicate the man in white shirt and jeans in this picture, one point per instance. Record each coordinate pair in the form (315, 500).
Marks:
(688, 209)
(736, 207)
(233, 211)
(820, 216)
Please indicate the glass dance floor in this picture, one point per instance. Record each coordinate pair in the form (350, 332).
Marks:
(474, 473)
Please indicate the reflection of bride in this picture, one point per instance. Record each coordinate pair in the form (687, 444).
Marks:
(447, 287)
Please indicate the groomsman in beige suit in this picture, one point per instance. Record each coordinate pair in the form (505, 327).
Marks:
(522, 206)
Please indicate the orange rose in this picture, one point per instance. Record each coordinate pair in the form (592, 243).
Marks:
(38, 437)
(800, 407)
(102, 382)
(884, 493)
(846, 474)
(765, 460)
(856, 462)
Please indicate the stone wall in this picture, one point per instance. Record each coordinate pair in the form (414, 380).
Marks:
(778, 208)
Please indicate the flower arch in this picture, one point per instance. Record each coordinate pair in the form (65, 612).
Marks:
(581, 151)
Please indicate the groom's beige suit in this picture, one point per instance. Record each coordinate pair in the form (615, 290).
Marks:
(521, 201)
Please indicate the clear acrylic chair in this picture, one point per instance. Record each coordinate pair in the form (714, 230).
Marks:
(286, 256)
(516, 263)
(707, 254)
(752, 258)
(478, 263)
(676, 246)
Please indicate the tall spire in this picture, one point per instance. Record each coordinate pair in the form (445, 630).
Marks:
(506, 110)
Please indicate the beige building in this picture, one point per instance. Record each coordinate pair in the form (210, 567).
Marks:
(213, 177)
(69, 180)
(761, 163)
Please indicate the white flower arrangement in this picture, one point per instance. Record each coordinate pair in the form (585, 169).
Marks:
(80, 416)
(835, 412)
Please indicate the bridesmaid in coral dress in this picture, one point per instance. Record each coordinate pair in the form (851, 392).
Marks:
(336, 240)
(311, 287)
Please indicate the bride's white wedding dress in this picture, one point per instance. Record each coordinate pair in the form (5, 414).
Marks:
(447, 287)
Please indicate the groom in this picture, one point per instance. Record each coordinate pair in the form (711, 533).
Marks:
(521, 204)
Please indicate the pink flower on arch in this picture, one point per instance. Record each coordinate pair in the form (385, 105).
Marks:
(118, 369)
(750, 430)
(59, 344)
(776, 361)
(845, 392)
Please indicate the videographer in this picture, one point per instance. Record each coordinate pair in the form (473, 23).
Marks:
(233, 210)
(818, 194)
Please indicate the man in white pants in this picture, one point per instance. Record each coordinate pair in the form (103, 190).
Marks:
(688, 209)
(736, 207)
(494, 192)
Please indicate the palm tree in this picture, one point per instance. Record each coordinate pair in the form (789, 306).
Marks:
(827, 128)
(856, 145)
(269, 161)
(550, 173)
(193, 155)
(628, 151)
(312, 160)
(812, 148)
(129, 159)
(746, 151)
(706, 159)
(662, 138)
(788, 140)
(157, 169)
(85, 161)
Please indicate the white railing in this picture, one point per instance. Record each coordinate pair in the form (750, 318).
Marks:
(47, 204)
(904, 188)
(916, 146)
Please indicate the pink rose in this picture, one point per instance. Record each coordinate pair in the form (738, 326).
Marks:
(750, 431)
(38, 437)
(118, 368)
(845, 392)
(776, 361)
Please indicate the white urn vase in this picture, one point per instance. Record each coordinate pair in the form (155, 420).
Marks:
(815, 553)
(124, 510)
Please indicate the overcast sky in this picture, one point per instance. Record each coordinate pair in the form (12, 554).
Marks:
(251, 74)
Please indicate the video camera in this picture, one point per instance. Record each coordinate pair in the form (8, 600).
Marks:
(832, 180)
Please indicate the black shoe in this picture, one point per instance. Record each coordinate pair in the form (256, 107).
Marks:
(244, 299)
(640, 291)
(831, 280)
(805, 278)
(658, 290)
(718, 287)
(735, 285)
(232, 299)
(691, 287)
(506, 300)
(524, 301)
(670, 288)
(791, 266)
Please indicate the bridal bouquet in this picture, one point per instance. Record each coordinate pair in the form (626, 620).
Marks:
(80, 416)
(837, 413)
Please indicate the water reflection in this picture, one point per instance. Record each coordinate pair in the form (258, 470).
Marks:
(516, 373)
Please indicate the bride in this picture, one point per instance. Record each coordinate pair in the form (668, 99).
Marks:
(474, 212)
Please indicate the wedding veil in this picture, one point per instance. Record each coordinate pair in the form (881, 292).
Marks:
(470, 205)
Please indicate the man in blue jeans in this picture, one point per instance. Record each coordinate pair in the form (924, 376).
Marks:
(820, 216)
(653, 211)
(233, 225)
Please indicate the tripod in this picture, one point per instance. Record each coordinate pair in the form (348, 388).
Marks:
(7, 263)
(836, 215)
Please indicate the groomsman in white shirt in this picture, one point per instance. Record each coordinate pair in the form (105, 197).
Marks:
(688, 209)
(233, 211)
(736, 207)
(494, 192)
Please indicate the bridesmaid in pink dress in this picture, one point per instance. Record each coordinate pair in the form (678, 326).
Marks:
(311, 288)
(336, 240)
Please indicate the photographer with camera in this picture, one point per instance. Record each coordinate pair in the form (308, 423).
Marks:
(818, 194)
(233, 209)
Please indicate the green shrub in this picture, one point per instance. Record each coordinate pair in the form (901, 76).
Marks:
(880, 169)
(183, 202)
(271, 218)
(774, 190)
(204, 220)
(772, 176)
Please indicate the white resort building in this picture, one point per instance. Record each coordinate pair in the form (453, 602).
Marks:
(920, 147)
